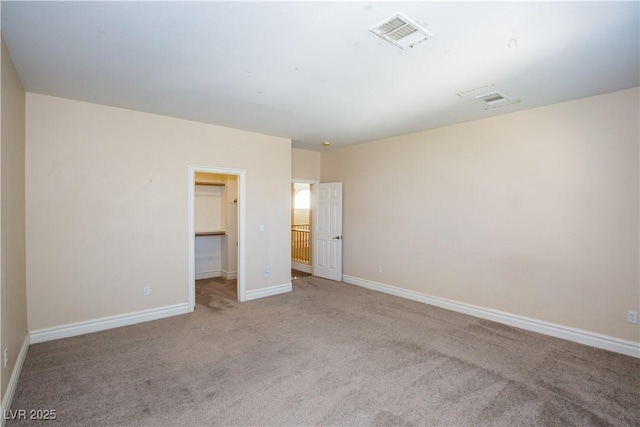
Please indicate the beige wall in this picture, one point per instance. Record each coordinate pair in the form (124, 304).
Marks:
(301, 216)
(305, 164)
(107, 207)
(13, 289)
(533, 213)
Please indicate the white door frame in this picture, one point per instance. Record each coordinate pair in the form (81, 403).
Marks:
(191, 238)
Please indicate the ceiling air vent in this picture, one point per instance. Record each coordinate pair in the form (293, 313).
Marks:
(493, 98)
(401, 31)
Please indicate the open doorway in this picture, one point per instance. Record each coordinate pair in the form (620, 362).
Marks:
(216, 234)
(301, 227)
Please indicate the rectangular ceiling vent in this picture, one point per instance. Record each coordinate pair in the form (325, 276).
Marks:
(401, 31)
(494, 98)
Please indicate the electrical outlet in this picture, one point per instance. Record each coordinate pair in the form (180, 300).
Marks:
(146, 291)
(6, 357)
(267, 272)
(632, 316)
(379, 269)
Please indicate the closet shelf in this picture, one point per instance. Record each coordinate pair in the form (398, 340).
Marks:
(215, 184)
(211, 233)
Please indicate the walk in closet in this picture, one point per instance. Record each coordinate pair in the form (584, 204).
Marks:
(216, 226)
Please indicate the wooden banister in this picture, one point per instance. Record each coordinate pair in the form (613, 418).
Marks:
(300, 244)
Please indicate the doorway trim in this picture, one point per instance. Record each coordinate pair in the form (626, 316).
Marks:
(191, 237)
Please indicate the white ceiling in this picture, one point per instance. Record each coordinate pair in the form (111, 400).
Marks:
(312, 71)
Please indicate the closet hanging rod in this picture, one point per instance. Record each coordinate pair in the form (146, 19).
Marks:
(211, 233)
(216, 184)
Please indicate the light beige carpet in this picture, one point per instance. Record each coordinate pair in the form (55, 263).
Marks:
(327, 353)
(216, 293)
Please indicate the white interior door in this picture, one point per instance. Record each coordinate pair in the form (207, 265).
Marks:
(327, 233)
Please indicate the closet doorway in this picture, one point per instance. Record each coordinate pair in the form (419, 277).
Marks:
(216, 231)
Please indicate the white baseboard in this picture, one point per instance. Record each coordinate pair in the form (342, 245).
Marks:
(267, 292)
(207, 274)
(81, 328)
(13, 380)
(230, 275)
(593, 339)
(305, 268)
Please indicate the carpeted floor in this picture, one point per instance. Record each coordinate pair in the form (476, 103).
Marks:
(327, 353)
(216, 294)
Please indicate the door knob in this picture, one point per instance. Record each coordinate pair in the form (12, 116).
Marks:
(337, 237)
